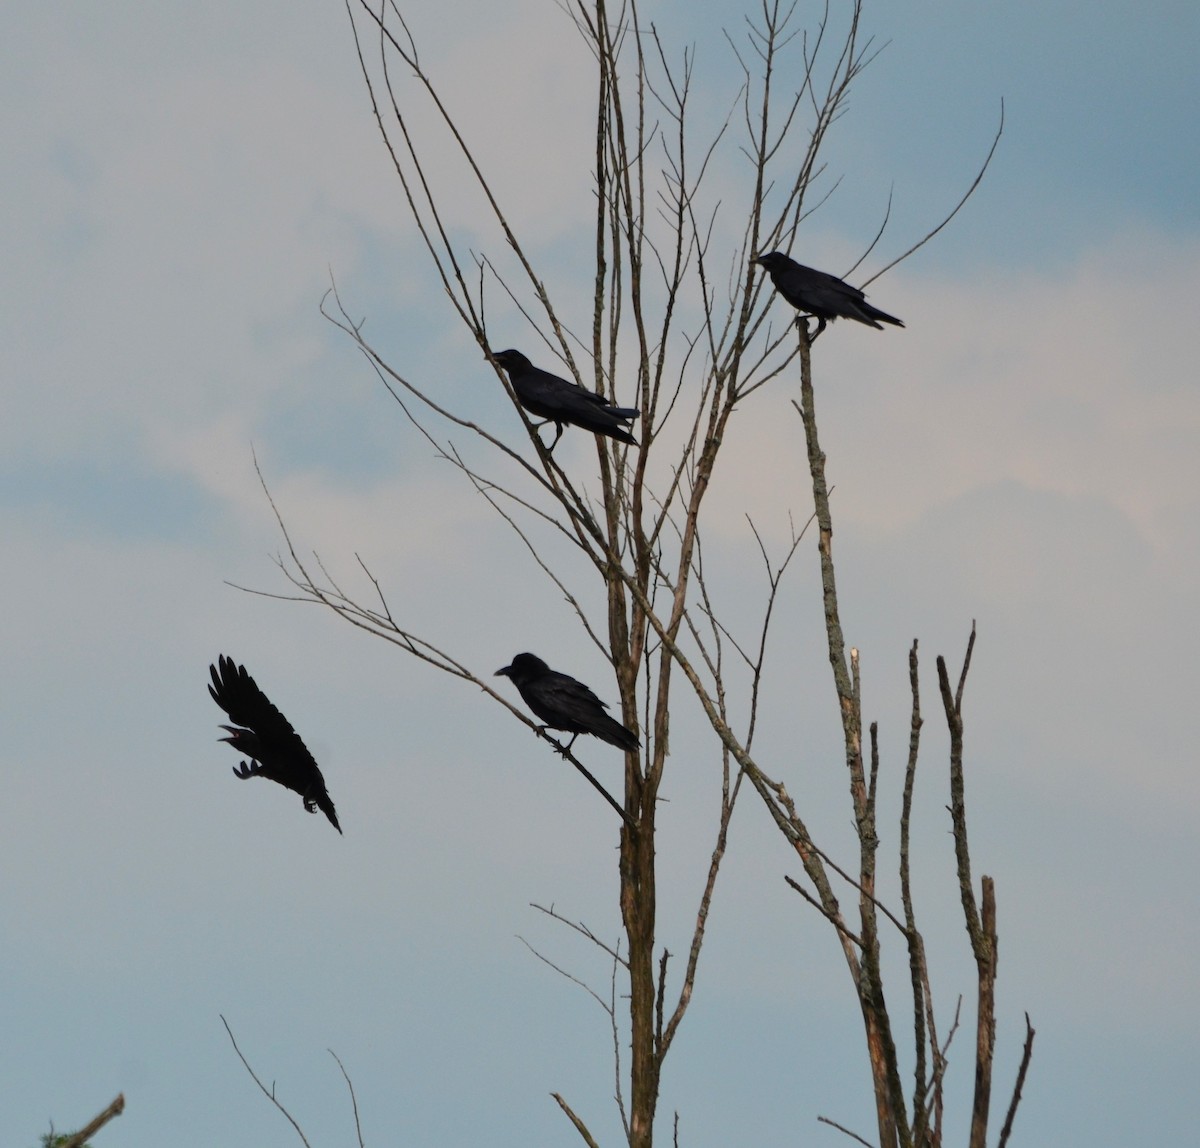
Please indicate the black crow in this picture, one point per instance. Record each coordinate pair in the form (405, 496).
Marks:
(559, 401)
(563, 703)
(274, 748)
(821, 294)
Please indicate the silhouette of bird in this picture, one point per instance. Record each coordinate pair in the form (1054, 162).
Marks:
(562, 402)
(821, 294)
(563, 703)
(265, 736)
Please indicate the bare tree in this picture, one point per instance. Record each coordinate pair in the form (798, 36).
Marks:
(680, 326)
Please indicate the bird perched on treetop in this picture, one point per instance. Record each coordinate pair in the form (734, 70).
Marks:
(559, 401)
(821, 294)
(563, 703)
(265, 736)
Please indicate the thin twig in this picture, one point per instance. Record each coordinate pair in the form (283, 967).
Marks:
(563, 973)
(957, 207)
(1026, 1056)
(580, 1127)
(581, 929)
(353, 1098)
(269, 1093)
(840, 1128)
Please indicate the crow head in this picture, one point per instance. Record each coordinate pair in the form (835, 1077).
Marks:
(243, 740)
(771, 261)
(512, 360)
(524, 668)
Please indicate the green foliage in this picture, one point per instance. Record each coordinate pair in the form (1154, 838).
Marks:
(55, 1140)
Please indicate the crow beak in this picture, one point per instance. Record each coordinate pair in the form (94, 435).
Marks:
(503, 673)
(233, 730)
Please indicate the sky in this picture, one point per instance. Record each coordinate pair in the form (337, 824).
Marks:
(181, 185)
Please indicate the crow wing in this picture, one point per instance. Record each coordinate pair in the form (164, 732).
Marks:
(562, 401)
(826, 295)
(276, 747)
(238, 694)
(821, 294)
(564, 703)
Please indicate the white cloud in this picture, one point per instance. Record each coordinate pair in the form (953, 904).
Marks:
(1074, 384)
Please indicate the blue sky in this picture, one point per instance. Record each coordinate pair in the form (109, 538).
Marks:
(179, 184)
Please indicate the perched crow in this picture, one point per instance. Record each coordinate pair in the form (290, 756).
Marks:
(274, 748)
(559, 401)
(820, 294)
(563, 703)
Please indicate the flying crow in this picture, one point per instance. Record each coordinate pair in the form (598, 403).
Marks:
(559, 401)
(265, 736)
(818, 293)
(563, 703)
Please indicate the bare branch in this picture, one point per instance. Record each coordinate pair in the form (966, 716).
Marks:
(580, 1127)
(569, 976)
(94, 1125)
(1026, 1056)
(833, 917)
(353, 1098)
(581, 929)
(269, 1093)
(957, 207)
(840, 1128)
(918, 969)
(952, 704)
